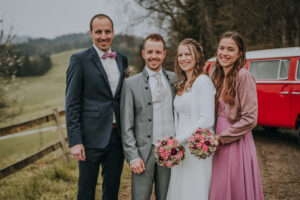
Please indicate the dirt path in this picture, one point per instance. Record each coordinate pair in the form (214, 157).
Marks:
(279, 161)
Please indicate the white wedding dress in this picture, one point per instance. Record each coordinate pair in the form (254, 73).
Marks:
(190, 179)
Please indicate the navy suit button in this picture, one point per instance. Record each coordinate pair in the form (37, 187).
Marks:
(146, 88)
(149, 120)
(149, 136)
(149, 103)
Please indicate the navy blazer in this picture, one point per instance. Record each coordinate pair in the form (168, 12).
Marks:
(89, 100)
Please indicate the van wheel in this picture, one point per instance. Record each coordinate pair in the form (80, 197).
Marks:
(269, 129)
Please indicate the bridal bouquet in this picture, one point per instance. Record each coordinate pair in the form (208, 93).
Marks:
(203, 143)
(168, 152)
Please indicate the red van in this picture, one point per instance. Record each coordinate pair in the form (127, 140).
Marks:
(277, 75)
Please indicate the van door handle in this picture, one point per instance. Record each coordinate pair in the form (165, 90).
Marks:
(295, 92)
(284, 92)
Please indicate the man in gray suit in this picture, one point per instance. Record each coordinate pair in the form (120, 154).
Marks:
(146, 117)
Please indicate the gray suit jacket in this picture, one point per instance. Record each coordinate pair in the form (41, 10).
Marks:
(137, 113)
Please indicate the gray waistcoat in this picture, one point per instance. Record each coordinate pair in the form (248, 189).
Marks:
(163, 120)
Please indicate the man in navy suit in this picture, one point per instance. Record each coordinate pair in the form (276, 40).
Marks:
(94, 81)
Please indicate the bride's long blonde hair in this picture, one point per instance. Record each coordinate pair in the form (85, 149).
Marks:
(197, 51)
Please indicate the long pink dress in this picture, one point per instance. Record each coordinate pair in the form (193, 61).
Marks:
(235, 173)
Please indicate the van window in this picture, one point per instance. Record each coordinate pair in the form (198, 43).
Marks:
(284, 69)
(270, 69)
(298, 71)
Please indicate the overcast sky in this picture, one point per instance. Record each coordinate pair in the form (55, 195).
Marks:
(51, 18)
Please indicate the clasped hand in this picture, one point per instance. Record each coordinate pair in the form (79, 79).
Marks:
(137, 166)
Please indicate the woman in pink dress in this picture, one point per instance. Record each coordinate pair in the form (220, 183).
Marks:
(235, 173)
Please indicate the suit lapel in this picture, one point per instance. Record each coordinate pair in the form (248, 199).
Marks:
(97, 61)
(146, 86)
(120, 66)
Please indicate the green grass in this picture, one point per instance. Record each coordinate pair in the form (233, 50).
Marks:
(47, 91)
(57, 180)
(43, 93)
(49, 177)
(17, 148)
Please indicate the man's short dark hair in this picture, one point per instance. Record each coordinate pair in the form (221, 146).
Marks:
(154, 37)
(100, 16)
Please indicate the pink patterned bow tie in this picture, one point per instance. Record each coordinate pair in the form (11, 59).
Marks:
(111, 55)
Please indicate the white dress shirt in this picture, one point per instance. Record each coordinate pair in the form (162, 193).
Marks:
(112, 70)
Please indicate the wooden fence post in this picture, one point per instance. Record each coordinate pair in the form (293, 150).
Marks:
(61, 135)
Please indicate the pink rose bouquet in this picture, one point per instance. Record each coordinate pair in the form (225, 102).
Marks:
(168, 152)
(203, 143)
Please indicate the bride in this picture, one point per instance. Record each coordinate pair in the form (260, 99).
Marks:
(194, 108)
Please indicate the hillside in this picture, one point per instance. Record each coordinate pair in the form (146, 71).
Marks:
(43, 93)
(126, 44)
(34, 46)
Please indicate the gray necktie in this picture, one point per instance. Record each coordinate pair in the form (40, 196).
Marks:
(159, 85)
(159, 88)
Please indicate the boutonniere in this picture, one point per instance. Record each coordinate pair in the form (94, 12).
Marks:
(130, 71)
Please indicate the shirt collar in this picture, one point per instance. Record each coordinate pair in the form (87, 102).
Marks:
(99, 51)
(152, 73)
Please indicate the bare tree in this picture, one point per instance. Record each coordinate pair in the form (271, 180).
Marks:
(264, 23)
(10, 60)
(186, 18)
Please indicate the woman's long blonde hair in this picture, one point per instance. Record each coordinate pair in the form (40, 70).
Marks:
(197, 51)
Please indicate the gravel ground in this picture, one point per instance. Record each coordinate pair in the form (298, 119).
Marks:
(279, 160)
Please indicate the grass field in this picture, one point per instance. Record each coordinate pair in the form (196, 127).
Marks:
(52, 178)
(43, 93)
(17, 148)
(47, 91)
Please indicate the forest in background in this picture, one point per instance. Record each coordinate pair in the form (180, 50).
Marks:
(264, 24)
(126, 44)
